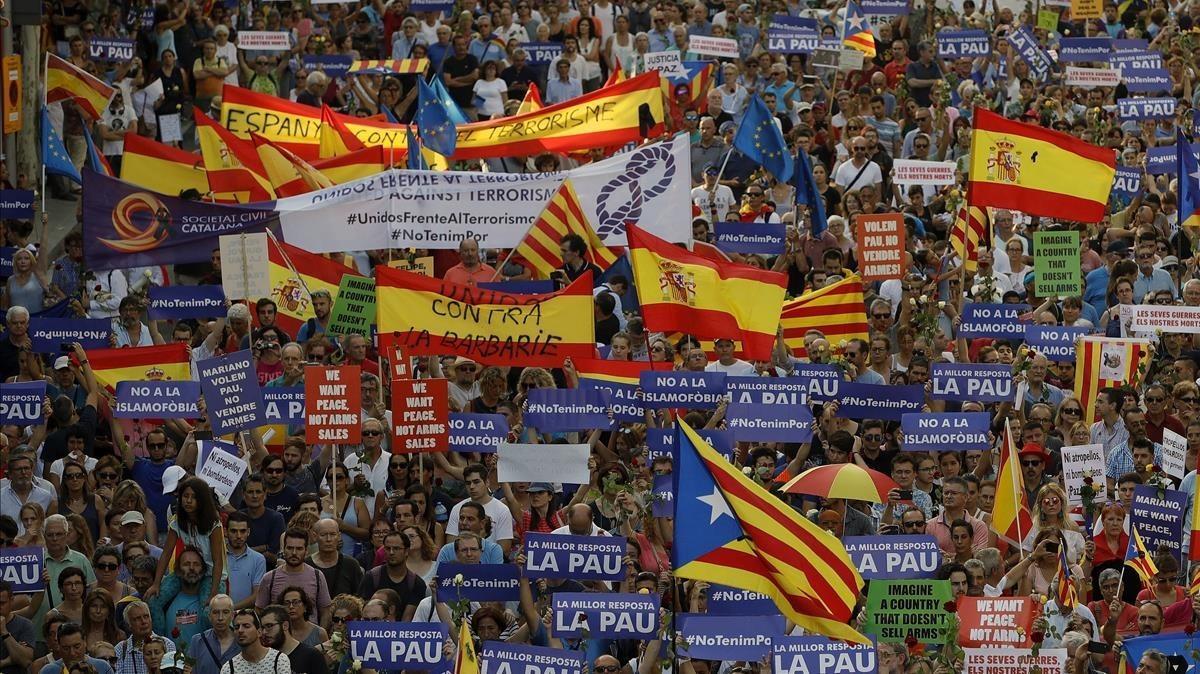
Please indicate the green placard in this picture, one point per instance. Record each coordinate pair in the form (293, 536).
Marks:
(898, 608)
(1047, 20)
(1056, 264)
(354, 309)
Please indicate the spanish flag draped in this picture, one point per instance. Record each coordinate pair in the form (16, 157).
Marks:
(290, 175)
(64, 81)
(1038, 171)
(1010, 514)
(680, 290)
(563, 215)
(161, 168)
(1102, 362)
(837, 310)
(427, 316)
(167, 362)
(354, 165)
(294, 275)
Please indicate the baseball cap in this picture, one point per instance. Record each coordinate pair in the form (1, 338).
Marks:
(133, 517)
(712, 169)
(171, 477)
(1119, 246)
(62, 363)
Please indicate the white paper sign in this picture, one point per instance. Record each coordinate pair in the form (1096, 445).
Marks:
(1078, 462)
(1090, 78)
(243, 272)
(1012, 660)
(273, 40)
(543, 463)
(851, 60)
(1112, 361)
(1174, 454)
(668, 63)
(222, 471)
(722, 47)
(1148, 318)
(169, 128)
(917, 172)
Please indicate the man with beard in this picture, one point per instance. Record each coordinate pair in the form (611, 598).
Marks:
(246, 566)
(295, 572)
(129, 330)
(266, 525)
(342, 573)
(148, 473)
(280, 497)
(276, 634)
(186, 611)
(214, 647)
(395, 575)
(322, 303)
(299, 475)
(255, 658)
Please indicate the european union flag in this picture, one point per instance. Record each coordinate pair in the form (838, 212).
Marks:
(807, 194)
(452, 109)
(433, 122)
(416, 162)
(1189, 182)
(95, 160)
(760, 139)
(54, 154)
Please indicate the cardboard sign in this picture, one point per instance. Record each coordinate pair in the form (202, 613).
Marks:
(625, 400)
(1174, 454)
(110, 49)
(952, 44)
(879, 401)
(50, 335)
(751, 237)
(1079, 462)
(992, 622)
(1145, 108)
(231, 390)
(661, 441)
(244, 273)
(503, 658)
(918, 172)
(899, 608)
(478, 582)
(709, 637)
(723, 600)
(1181, 319)
(792, 34)
(662, 494)
(397, 645)
(1047, 20)
(767, 390)
(354, 309)
(1025, 44)
(22, 403)
(1086, 9)
(1055, 342)
(607, 616)
(420, 415)
(691, 390)
(285, 404)
(669, 63)
(157, 400)
(554, 410)
(1056, 264)
(16, 204)
(1013, 660)
(423, 265)
(186, 302)
(1090, 78)
(22, 567)
(721, 47)
(524, 462)
(575, 557)
(946, 432)
(543, 52)
(269, 40)
(222, 470)
(1084, 49)
(333, 404)
(753, 422)
(880, 246)
(894, 557)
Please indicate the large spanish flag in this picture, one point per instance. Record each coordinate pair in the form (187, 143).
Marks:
(289, 174)
(295, 274)
(563, 215)
(235, 172)
(336, 140)
(625, 112)
(680, 290)
(427, 316)
(64, 81)
(354, 165)
(837, 310)
(166, 362)
(162, 168)
(1038, 171)
(1103, 362)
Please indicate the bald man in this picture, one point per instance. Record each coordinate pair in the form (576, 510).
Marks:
(215, 646)
(471, 270)
(343, 573)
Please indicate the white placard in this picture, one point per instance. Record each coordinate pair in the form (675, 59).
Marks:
(1174, 454)
(669, 63)
(222, 471)
(1089, 78)
(851, 60)
(1078, 462)
(917, 172)
(169, 128)
(271, 40)
(721, 47)
(543, 463)
(1112, 361)
(1012, 660)
(244, 272)
(1148, 318)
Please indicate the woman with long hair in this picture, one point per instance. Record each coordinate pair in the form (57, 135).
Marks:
(108, 473)
(29, 368)
(128, 495)
(1165, 590)
(197, 525)
(350, 512)
(100, 618)
(27, 285)
(1068, 416)
(33, 518)
(343, 609)
(423, 497)
(76, 497)
(421, 553)
(1037, 572)
(652, 544)
(1050, 512)
(79, 538)
(586, 31)
(395, 485)
(106, 562)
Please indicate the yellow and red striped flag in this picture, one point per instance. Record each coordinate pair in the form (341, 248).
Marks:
(1103, 362)
(467, 661)
(355, 165)
(532, 101)
(235, 172)
(837, 310)
(399, 66)
(166, 362)
(1194, 586)
(289, 174)
(563, 215)
(1010, 514)
(612, 371)
(617, 75)
(294, 274)
(1194, 544)
(1065, 593)
(969, 231)
(336, 139)
(162, 168)
(1138, 559)
(64, 81)
(856, 31)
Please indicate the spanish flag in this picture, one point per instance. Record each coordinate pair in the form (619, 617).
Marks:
(1010, 514)
(680, 290)
(1138, 559)
(336, 139)
(611, 371)
(66, 82)
(563, 215)
(295, 274)
(532, 101)
(427, 317)
(162, 168)
(235, 172)
(837, 310)
(1103, 362)
(166, 362)
(969, 231)
(289, 174)
(1038, 171)
(358, 164)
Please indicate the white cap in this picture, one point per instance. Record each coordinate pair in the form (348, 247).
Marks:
(133, 517)
(62, 362)
(171, 477)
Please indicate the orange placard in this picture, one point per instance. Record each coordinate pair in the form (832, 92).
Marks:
(990, 622)
(880, 246)
(420, 415)
(12, 94)
(333, 404)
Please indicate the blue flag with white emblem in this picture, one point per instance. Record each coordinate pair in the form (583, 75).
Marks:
(54, 153)
(416, 162)
(760, 139)
(1189, 183)
(434, 125)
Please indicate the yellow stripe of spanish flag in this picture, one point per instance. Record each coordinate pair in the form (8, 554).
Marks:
(615, 371)
(167, 362)
(161, 168)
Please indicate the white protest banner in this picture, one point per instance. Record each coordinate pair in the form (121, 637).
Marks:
(1012, 660)
(721, 47)
(221, 469)
(243, 272)
(1174, 452)
(543, 463)
(851, 60)
(669, 63)
(1090, 78)
(438, 209)
(917, 172)
(1079, 462)
(1151, 317)
(274, 40)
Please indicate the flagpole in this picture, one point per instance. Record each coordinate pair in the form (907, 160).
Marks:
(45, 118)
(1018, 498)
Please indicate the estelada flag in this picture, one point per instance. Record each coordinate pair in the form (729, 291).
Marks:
(1103, 362)
(161, 168)
(1138, 559)
(1038, 171)
(563, 215)
(294, 274)
(166, 362)
(681, 290)
(836, 310)
(64, 81)
(427, 316)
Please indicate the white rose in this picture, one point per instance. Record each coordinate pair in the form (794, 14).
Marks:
(459, 580)
(924, 299)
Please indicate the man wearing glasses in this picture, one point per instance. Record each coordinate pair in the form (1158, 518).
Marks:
(148, 472)
(21, 489)
(255, 657)
(852, 175)
(277, 634)
(1151, 279)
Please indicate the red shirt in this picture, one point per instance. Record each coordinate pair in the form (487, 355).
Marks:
(1104, 554)
(1155, 431)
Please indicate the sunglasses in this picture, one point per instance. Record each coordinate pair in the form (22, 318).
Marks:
(1187, 400)
(156, 445)
(106, 476)
(399, 465)
(1031, 464)
(914, 525)
(73, 476)
(1072, 411)
(272, 470)
(337, 620)
(372, 433)
(108, 566)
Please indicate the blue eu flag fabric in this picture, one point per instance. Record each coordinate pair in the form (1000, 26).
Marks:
(1189, 182)
(760, 139)
(54, 153)
(452, 109)
(808, 195)
(416, 162)
(434, 125)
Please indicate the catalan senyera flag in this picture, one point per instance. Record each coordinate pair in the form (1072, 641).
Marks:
(166, 362)
(856, 31)
(1189, 182)
(532, 101)
(467, 660)
(398, 66)
(1138, 559)
(837, 310)
(563, 215)
(162, 168)
(336, 139)
(681, 290)
(294, 274)
(1011, 518)
(969, 230)
(1103, 362)
(1037, 171)
(64, 81)
(289, 174)
(235, 172)
(1194, 585)
(744, 537)
(428, 316)
(1065, 594)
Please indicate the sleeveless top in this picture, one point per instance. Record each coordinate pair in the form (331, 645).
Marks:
(29, 294)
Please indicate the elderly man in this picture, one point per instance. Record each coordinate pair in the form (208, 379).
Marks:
(342, 573)
(129, 651)
(213, 647)
(371, 465)
(15, 338)
(470, 270)
(21, 489)
(580, 522)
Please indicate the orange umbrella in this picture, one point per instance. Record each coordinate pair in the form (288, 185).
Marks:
(842, 480)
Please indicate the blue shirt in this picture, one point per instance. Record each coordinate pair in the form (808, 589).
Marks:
(1097, 286)
(148, 475)
(1158, 280)
(56, 667)
(206, 645)
(492, 554)
(186, 612)
(1120, 460)
(245, 573)
(558, 91)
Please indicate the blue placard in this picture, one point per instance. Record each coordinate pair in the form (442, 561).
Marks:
(48, 335)
(1023, 41)
(1127, 182)
(751, 422)
(662, 495)
(1196, 122)
(497, 657)
(1130, 44)
(715, 637)
(879, 401)
(661, 441)
(952, 44)
(435, 6)
(397, 645)
(894, 557)
(767, 390)
(1002, 321)
(824, 381)
(624, 399)
(6, 263)
(230, 385)
(16, 204)
(333, 65)
(750, 237)
(477, 432)
(1161, 160)
(885, 7)
(946, 432)
(792, 34)
(22, 403)
(1084, 49)
(543, 52)
(607, 616)
(577, 557)
(971, 381)
(809, 655)
(1149, 81)
(148, 18)
(562, 410)
(1055, 342)
(157, 400)
(478, 582)
(22, 568)
(690, 390)
(186, 302)
(724, 600)
(529, 287)
(284, 404)
(1139, 59)
(110, 49)
(1158, 517)
(1160, 107)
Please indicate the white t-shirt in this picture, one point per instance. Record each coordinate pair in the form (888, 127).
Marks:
(501, 516)
(89, 464)
(844, 175)
(229, 53)
(490, 92)
(721, 199)
(738, 368)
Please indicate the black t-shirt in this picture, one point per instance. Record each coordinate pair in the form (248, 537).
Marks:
(10, 355)
(513, 77)
(55, 446)
(411, 589)
(459, 67)
(306, 660)
(265, 530)
(283, 502)
(343, 577)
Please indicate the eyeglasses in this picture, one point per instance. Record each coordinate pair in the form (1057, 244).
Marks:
(107, 566)
(881, 316)
(106, 476)
(1052, 500)
(754, 194)
(921, 146)
(1072, 411)
(613, 668)
(399, 464)
(1155, 400)
(372, 433)
(914, 525)
(1189, 400)
(873, 436)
